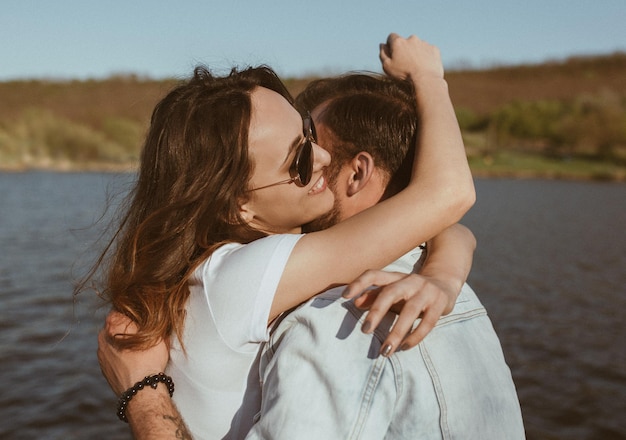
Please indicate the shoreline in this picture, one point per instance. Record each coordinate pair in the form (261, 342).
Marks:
(70, 168)
(618, 176)
(555, 175)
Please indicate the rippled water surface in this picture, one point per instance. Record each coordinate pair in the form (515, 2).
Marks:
(550, 268)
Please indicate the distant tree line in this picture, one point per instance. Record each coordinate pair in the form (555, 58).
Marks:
(562, 110)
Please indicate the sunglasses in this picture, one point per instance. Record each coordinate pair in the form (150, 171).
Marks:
(301, 169)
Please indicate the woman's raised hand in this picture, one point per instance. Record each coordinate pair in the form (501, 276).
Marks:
(410, 58)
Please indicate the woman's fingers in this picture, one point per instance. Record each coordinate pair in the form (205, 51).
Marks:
(392, 37)
(429, 320)
(368, 279)
(405, 321)
(412, 296)
(419, 298)
(410, 57)
(399, 291)
(402, 335)
(366, 299)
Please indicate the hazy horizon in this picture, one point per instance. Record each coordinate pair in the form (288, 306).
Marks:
(70, 39)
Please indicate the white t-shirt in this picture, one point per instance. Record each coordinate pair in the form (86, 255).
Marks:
(231, 294)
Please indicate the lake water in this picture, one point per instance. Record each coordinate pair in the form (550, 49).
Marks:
(550, 268)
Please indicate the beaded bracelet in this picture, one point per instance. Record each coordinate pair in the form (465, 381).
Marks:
(152, 381)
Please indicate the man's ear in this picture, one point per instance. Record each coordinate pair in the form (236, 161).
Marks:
(362, 168)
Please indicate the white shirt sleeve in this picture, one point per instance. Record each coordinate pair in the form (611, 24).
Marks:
(240, 282)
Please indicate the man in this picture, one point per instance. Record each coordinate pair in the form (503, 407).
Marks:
(359, 181)
(322, 378)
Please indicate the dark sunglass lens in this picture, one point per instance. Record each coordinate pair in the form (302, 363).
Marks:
(304, 163)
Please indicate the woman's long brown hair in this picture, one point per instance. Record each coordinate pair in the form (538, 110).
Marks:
(192, 179)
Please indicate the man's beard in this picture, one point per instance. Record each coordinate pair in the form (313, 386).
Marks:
(329, 219)
(333, 216)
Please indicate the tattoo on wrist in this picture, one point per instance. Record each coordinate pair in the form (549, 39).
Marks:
(181, 430)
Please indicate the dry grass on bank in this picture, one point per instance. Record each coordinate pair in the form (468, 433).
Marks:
(563, 108)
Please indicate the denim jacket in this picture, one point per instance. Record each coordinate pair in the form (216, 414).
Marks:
(322, 378)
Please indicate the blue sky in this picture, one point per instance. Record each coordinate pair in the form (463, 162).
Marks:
(65, 39)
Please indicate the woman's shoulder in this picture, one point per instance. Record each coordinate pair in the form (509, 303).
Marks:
(241, 280)
(258, 252)
(262, 245)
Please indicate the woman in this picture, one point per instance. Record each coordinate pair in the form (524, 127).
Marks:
(211, 248)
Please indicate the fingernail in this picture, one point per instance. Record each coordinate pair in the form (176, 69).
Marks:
(386, 350)
(365, 328)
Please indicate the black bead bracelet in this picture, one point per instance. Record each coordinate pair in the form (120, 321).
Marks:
(151, 381)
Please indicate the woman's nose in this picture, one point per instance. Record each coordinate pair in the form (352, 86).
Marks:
(322, 157)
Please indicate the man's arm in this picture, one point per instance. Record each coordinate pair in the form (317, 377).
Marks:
(152, 415)
(427, 295)
(151, 412)
(449, 261)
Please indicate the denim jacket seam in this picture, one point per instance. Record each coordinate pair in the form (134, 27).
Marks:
(469, 314)
(398, 377)
(443, 421)
(367, 395)
(445, 320)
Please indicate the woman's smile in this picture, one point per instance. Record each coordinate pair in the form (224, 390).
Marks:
(319, 187)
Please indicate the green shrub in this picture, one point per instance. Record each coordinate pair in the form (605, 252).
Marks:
(528, 120)
(591, 126)
(469, 120)
(597, 125)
